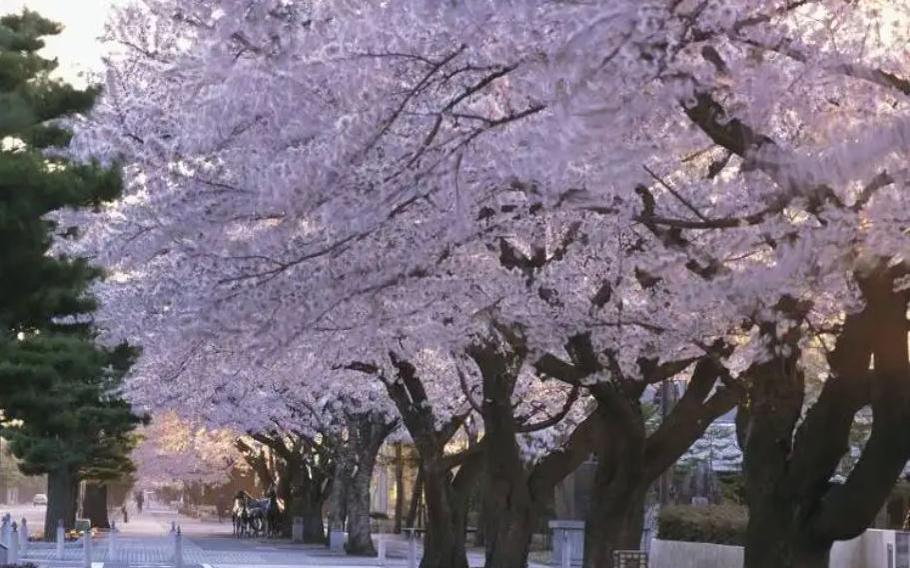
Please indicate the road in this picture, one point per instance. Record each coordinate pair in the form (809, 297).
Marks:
(146, 541)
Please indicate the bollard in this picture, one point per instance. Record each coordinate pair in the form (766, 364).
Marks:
(566, 551)
(412, 550)
(23, 535)
(12, 553)
(87, 549)
(382, 550)
(112, 542)
(178, 549)
(4, 531)
(61, 538)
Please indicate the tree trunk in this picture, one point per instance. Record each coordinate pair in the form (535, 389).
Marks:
(313, 529)
(62, 493)
(359, 543)
(789, 456)
(341, 481)
(615, 520)
(94, 505)
(775, 538)
(370, 431)
(416, 496)
(508, 507)
(616, 516)
(399, 487)
(444, 544)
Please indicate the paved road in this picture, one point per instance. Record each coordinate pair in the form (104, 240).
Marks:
(146, 542)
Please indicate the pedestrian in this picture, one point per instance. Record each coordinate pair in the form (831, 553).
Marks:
(140, 500)
(123, 510)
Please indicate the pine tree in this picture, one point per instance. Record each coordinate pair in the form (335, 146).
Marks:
(37, 288)
(58, 388)
(69, 422)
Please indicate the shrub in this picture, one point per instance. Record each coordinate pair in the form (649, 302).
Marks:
(716, 524)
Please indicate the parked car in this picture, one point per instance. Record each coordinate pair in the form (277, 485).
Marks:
(40, 499)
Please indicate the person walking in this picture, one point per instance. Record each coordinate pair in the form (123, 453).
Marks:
(140, 500)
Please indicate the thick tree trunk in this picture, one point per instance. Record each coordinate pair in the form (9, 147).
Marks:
(370, 431)
(94, 505)
(61, 501)
(416, 496)
(286, 482)
(313, 529)
(446, 498)
(359, 541)
(796, 513)
(341, 481)
(775, 538)
(444, 544)
(616, 514)
(615, 521)
(508, 506)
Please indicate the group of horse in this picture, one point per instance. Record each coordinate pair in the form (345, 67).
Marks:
(256, 517)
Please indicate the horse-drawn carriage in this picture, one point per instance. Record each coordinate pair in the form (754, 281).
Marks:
(256, 517)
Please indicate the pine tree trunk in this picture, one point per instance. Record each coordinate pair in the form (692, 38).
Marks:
(94, 505)
(61, 501)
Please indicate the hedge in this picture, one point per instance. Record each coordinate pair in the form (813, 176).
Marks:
(716, 524)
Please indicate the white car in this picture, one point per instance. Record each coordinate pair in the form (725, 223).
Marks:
(39, 499)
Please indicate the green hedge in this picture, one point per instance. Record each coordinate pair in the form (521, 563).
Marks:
(717, 524)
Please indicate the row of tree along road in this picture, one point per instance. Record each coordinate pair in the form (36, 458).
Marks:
(485, 229)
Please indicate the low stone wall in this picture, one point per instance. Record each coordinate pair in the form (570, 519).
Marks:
(869, 550)
(677, 554)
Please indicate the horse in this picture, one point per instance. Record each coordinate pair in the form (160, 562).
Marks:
(257, 516)
(240, 514)
(273, 514)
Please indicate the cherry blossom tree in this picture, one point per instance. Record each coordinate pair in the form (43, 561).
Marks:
(705, 184)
